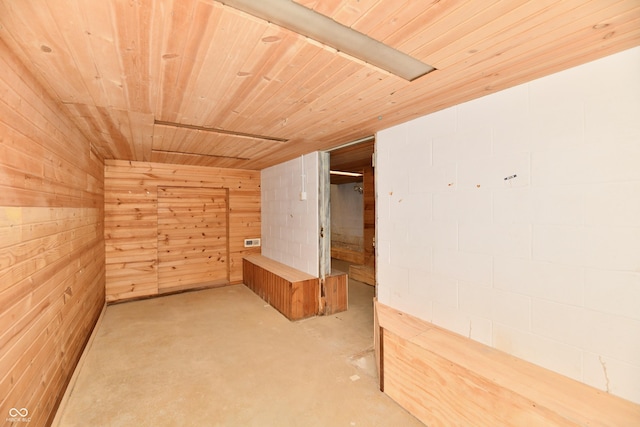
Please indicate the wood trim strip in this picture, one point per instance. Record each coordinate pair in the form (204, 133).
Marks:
(184, 153)
(381, 344)
(221, 131)
(76, 372)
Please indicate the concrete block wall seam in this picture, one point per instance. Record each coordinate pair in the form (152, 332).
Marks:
(544, 265)
(347, 214)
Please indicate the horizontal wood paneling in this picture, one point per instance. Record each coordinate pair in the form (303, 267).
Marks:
(131, 219)
(363, 273)
(347, 254)
(193, 229)
(446, 379)
(51, 244)
(352, 158)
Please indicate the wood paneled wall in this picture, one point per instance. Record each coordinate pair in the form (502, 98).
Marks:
(445, 379)
(51, 245)
(131, 219)
(193, 247)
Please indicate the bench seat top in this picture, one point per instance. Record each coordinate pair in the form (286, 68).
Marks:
(288, 273)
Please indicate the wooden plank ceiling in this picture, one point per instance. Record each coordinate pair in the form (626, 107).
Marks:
(121, 66)
(351, 158)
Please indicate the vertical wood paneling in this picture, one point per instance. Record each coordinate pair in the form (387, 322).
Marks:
(293, 293)
(51, 244)
(336, 293)
(131, 219)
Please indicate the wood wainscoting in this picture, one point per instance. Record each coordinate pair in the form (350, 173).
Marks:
(139, 223)
(445, 379)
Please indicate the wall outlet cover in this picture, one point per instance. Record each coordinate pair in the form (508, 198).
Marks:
(251, 243)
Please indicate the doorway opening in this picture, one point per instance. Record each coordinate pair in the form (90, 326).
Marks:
(352, 210)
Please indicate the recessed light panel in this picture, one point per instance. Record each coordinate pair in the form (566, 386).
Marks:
(341, 173)
(323, 29)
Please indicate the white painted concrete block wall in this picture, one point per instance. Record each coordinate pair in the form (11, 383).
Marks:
(545, 266)
(347, 214)
(290, 230)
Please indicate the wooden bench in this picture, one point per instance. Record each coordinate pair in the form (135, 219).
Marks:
(445, 379)
(292, 292)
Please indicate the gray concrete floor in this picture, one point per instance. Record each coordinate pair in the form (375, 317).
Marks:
(223, 357)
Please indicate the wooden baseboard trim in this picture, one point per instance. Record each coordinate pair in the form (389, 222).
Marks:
(175, 291)
(76, 371)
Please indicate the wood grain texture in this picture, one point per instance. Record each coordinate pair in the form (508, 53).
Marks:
(117, 66)
(51, 243)
(352, 158)
(446, 379)
(363, 273)
(336, 293)
(193, 244)
(369, 213)
(292, 292)
(132, 225)
(347, 254)
(378, 345)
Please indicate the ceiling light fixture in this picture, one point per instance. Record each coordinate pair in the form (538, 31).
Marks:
(345, 173)
(323, 29)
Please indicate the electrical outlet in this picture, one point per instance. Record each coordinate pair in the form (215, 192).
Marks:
(251, 243)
